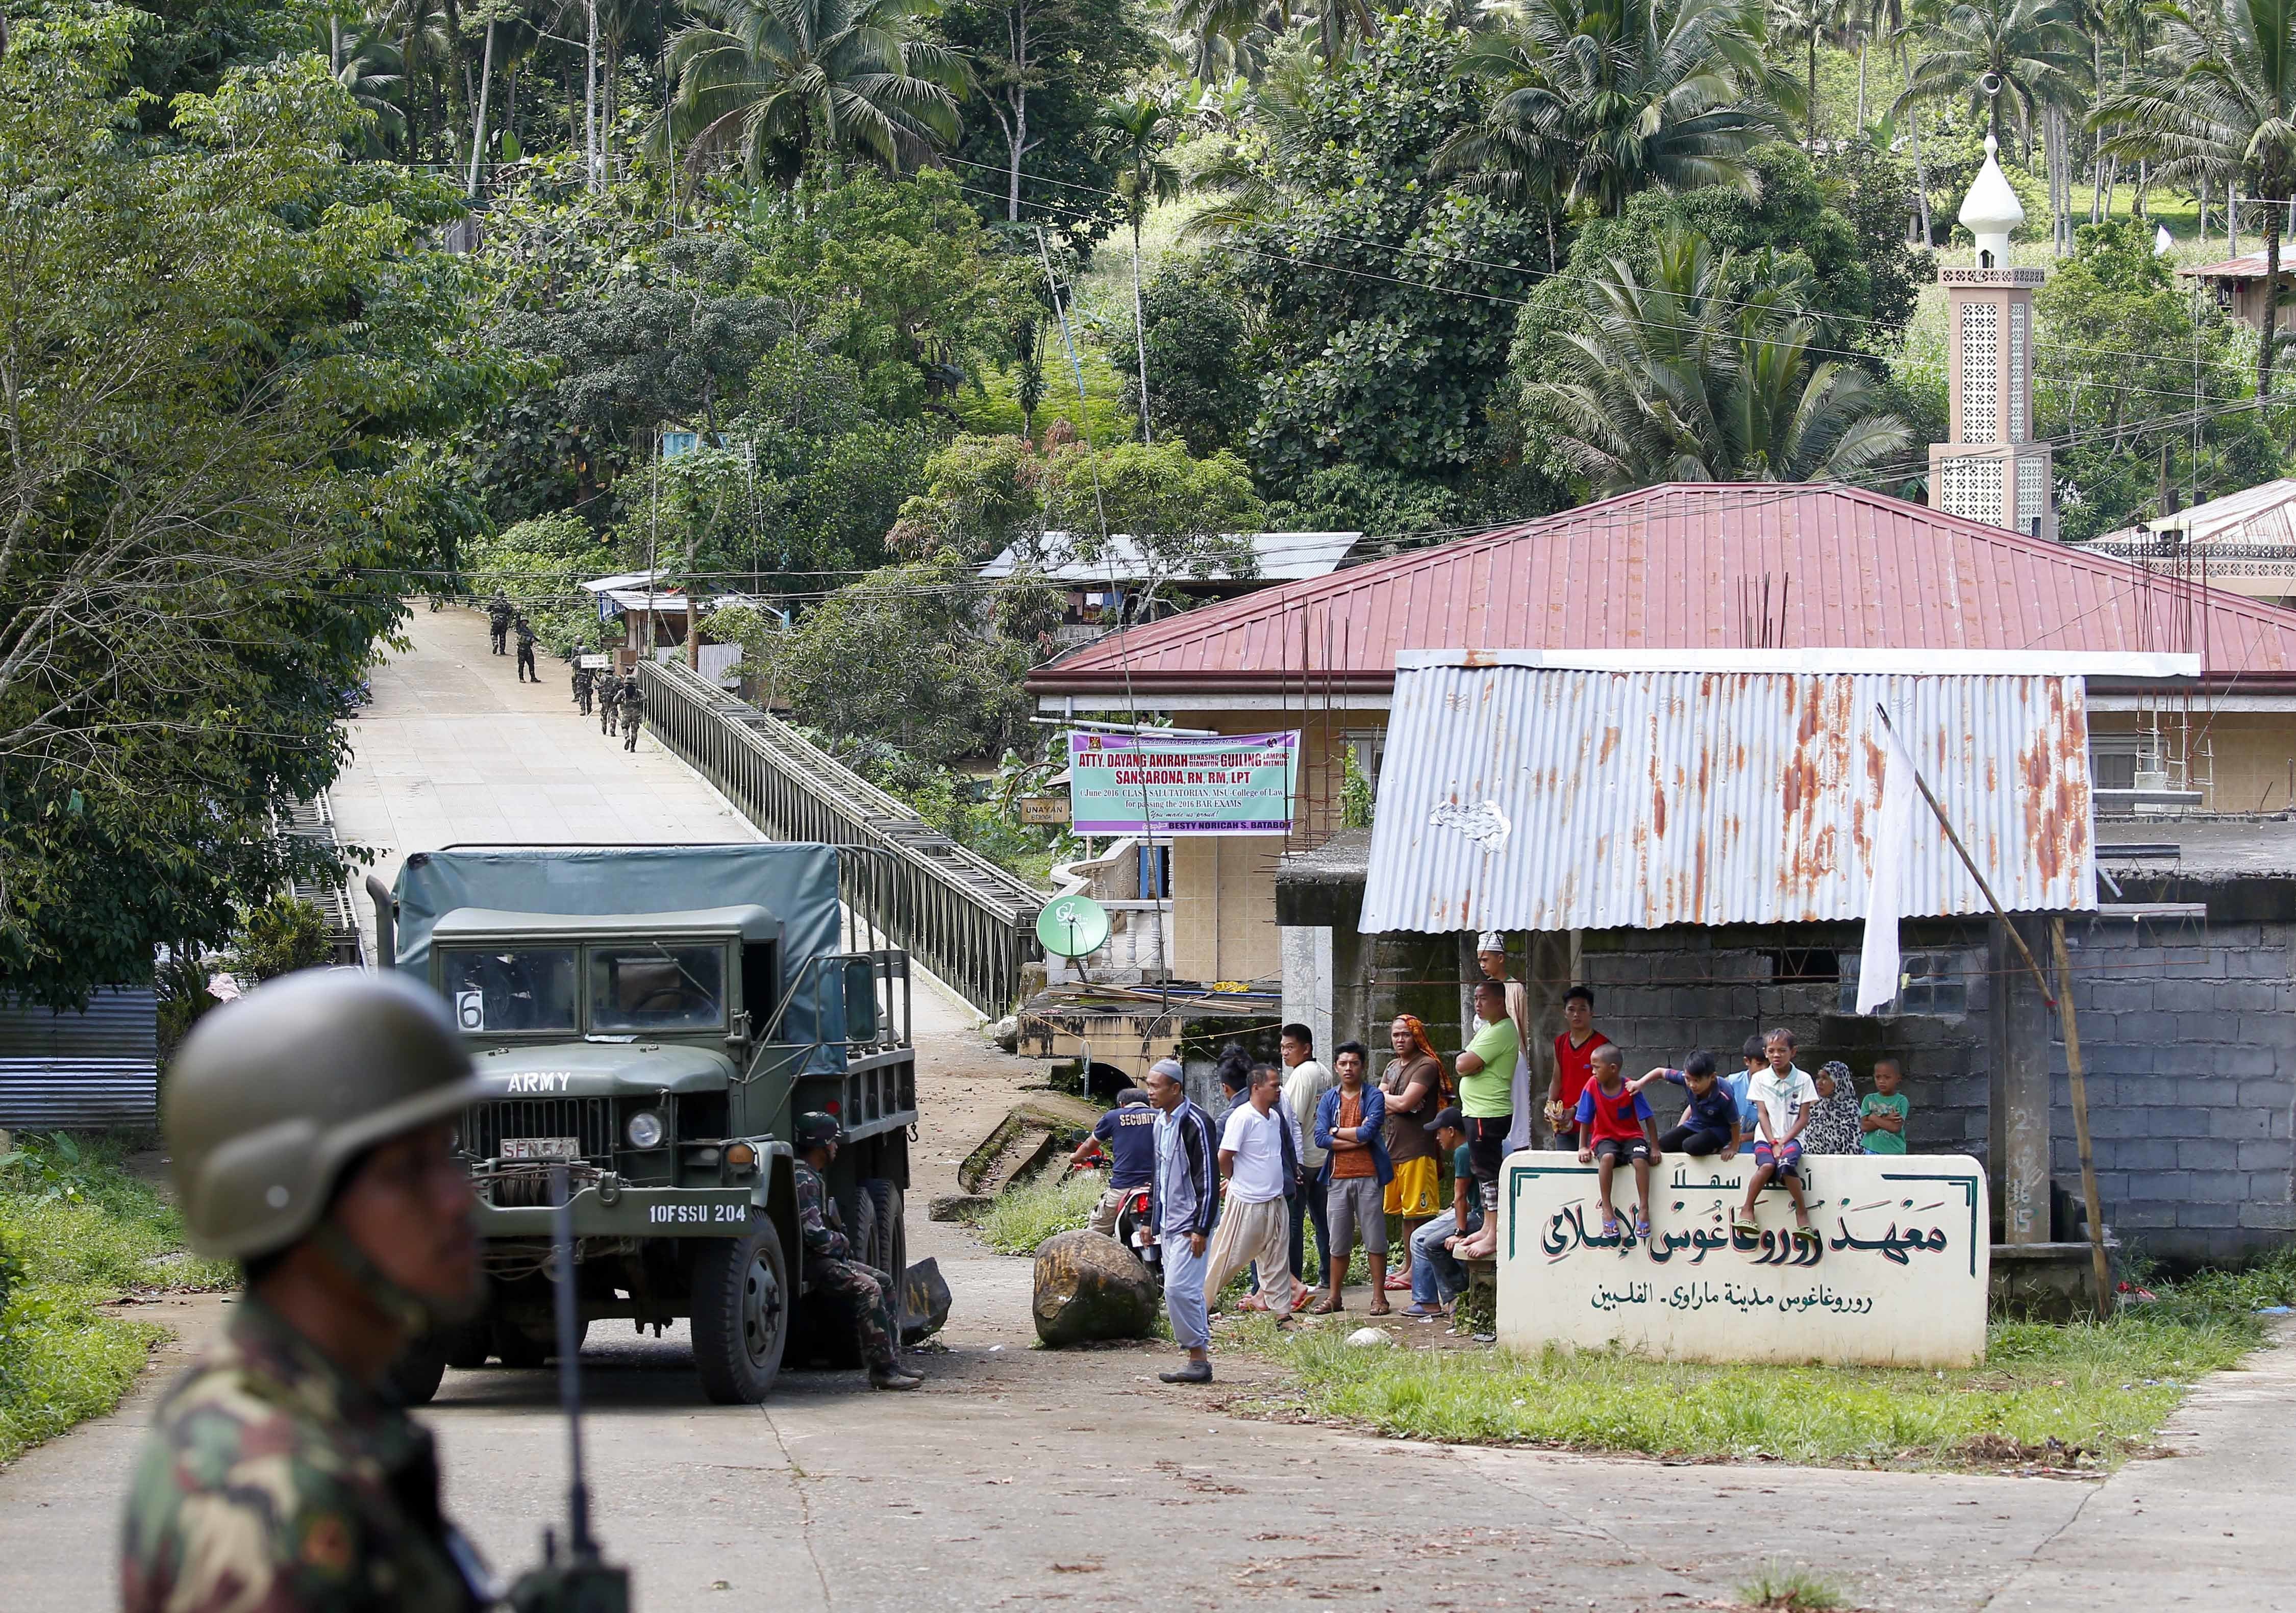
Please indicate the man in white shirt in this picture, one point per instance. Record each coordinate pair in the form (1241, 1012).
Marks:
(1260, 1158)
(1784, 1098)
(1304, 1083)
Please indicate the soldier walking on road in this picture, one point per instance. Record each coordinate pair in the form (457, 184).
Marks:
(311, 1130)
(584, 681)
(633, 710)
(828, 1264)
(499, 610)
(525, 672)
(610, 699)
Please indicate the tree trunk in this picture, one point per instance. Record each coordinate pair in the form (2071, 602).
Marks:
(1813, 85)
(486, 88)
(2272, 222)
(1140, 332)
(1016, 133)
(590, 106)
(1921, 168)
(1861, 87)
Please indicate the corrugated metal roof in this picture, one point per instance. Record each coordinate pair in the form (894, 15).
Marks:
(1276, 557)
(2263, 515)
(2248, 265)
(1522, 798)
(1663, 569)
(96, 1068)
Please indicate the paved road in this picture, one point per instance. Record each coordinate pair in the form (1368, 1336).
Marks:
(1020, 1478)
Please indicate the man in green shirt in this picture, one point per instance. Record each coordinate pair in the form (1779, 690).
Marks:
(1486, 1099)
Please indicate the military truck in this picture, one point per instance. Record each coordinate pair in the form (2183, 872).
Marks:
(654, 1018)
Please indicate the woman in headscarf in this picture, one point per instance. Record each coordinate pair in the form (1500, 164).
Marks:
(1834, 1127)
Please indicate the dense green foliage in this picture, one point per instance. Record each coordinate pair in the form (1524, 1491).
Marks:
(814, 306)
(78, 1229)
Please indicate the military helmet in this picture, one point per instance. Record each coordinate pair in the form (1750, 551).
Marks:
(272, 1095)
(814, 1128)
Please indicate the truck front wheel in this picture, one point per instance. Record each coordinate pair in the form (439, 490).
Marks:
(741, 1314)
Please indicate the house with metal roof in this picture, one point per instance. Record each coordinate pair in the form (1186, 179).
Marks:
(2238, 283)
(2243, 543)
(1124, 580)
(2186, 712)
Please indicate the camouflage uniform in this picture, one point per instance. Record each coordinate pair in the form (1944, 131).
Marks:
(633, 710)
(498, 615)
(525, 668)
(585, 680)
(272, 1483)
(863, 1290)
(610, 696)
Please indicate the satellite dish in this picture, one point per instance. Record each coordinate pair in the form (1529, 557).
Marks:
(1072, 926)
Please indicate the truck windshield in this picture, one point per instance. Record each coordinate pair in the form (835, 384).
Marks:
(646, 986)
(525, 988)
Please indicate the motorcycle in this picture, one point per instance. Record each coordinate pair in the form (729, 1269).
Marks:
(1135, 1228)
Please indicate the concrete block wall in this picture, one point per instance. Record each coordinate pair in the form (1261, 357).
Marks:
(2188, 1037)
(2188, 1044)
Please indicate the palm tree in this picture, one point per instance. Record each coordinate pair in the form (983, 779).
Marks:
(1813, 20)
(366, 65)
(2221, 104)
(1703, 372)
(2032, 50)
(1133, 137)
(1594, 99)
(780, 80)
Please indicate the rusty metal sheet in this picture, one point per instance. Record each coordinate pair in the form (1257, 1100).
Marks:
(1521, 797)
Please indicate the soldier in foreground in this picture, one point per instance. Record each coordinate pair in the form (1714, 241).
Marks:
(864, 1290)
(584, 680)
(633, 710)
(499, 610)
(525, 669)
(610, 699)
(310, 1128)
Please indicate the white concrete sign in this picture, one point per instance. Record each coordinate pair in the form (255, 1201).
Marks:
(1897, 1276)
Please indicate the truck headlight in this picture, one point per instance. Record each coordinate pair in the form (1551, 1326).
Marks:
(645, 1129)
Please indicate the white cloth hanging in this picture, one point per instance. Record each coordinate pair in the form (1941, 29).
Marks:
(1879, 961)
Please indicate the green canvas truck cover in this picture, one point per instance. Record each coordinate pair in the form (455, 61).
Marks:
(795, 883)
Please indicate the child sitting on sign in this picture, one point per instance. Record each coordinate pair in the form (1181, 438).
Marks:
(1885, 1110)
(1709, 1120)
(1784, 1097)
(1614, 1123)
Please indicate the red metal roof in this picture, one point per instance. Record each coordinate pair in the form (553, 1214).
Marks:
(1662, 567)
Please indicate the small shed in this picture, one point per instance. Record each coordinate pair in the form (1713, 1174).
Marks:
(2237, 284)
(95, 1066)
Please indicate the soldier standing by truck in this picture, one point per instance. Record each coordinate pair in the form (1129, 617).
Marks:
(310, 1130)
(633, 710)
(864, 1290)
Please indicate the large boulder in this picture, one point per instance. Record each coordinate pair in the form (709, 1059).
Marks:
(1089, 1286)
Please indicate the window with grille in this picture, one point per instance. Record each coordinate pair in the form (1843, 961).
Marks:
(1980, 373)
(1972, 487)
(2013, 385)
(2032, 489)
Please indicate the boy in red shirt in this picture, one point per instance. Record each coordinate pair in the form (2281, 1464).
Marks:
(1615, 1123)
(1574, 1052)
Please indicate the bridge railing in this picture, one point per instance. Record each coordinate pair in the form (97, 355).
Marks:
(963, 917)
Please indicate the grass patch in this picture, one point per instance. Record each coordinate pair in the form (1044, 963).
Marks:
(1792, 1588)
(78, 1229)
(2088, 1394)
(1025, 1215)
